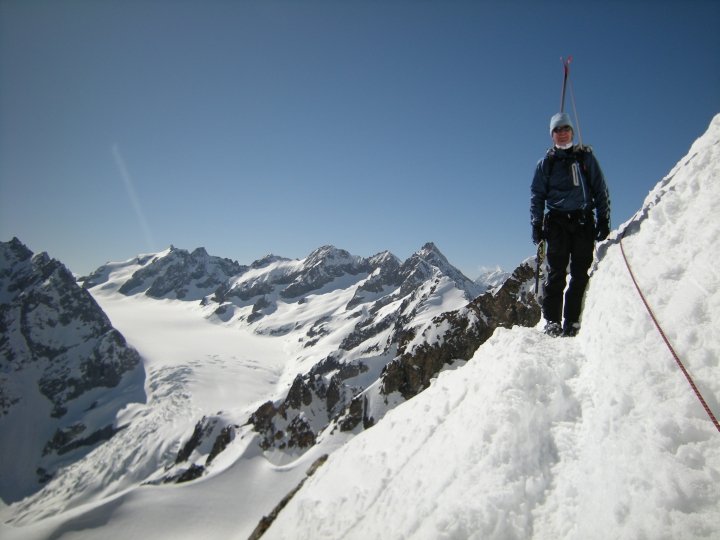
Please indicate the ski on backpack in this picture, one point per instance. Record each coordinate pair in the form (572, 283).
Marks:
(566, 74)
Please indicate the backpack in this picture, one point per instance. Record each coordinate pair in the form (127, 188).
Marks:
(579, 155)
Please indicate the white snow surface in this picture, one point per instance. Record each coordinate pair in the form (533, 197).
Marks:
(598, 436)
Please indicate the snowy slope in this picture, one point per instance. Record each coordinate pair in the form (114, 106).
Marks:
(594, 437)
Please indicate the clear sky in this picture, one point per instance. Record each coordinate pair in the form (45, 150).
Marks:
(256, 127)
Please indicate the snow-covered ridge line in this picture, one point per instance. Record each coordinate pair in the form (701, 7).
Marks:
(598, 436)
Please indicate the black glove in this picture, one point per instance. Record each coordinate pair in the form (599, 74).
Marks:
(602, 230)
(537, 233)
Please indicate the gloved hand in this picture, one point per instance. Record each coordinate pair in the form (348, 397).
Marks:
(602, 230)
(537, 233)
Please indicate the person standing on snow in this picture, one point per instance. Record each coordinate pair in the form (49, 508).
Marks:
(569, 182)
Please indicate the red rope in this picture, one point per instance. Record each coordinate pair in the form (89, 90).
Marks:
(667, 342)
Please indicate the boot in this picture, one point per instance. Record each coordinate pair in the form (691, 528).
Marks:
(570, 329)
(553, 329)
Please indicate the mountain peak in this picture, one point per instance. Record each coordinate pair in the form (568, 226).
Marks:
(199, 252)
(177, 273)
(430, 246)
(329, 254)
(267, 260)
(65, 356)
(431, 253)
(19, 250)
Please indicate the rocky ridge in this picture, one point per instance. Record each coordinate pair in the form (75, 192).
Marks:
(175, 274)
(326, 396)
(58, 354)
(449, 338)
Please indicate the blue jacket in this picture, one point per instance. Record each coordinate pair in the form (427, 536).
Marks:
(554, 186)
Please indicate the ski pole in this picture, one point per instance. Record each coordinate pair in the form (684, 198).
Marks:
(538, 261)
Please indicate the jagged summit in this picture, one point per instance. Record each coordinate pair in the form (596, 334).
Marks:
(428, 260)
(59, 356)
(13, 256)
(384, 257)
(172, 273)
(267, 260)
(428, 249)
(330, 255)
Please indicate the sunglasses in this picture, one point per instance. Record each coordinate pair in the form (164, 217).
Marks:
(563, 129)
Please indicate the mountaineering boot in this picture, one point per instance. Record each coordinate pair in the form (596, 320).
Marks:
(553, 329)
(570, 329)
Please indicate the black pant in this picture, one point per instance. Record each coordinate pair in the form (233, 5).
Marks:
(570, 239)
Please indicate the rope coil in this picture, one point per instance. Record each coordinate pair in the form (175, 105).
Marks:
(667, 341)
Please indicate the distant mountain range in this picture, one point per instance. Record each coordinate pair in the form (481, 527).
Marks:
(364, 334)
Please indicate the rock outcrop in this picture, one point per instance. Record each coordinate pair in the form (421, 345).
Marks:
(65, 370)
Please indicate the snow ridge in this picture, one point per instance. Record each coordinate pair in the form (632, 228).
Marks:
(595, 437)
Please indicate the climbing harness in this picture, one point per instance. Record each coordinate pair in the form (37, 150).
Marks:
(666, 340)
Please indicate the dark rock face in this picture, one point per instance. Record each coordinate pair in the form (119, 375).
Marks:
(293, 281)
(210, 437)
(421, 265)
(312, 400)
(55, 339)
(405, 282)
(356, 413)
(321, 267)
(467, 329)
(385, 273)
(421, 357)
(46, 316)
(182, 275)
(413, 367)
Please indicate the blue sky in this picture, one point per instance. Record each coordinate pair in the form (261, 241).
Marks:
(256, 127)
